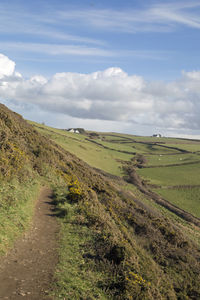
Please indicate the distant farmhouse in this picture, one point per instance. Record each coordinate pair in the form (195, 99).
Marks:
(76, 130)
(158, 135)
(73, 130)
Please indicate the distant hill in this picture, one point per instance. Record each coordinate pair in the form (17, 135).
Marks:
(140, 250)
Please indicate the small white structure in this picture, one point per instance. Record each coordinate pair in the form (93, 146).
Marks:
(158, 135)
(73, 130)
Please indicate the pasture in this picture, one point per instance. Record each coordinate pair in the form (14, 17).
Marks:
(167, 165)
(156, 160)
(189, 146)
(95, 155)
(185, 198)
(173, 175)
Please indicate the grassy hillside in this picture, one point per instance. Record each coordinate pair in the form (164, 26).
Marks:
(166, 162)
(86, 149)
(137, 151)
(116, 243)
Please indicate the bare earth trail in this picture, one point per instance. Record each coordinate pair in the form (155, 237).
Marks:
(27, 270)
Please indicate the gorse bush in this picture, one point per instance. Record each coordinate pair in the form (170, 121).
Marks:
(13, 160)
(75, 191)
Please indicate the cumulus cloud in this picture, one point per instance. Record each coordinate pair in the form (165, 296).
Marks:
(7, 66)
(110, 95)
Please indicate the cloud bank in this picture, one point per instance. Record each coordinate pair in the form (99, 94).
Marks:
(109, 95)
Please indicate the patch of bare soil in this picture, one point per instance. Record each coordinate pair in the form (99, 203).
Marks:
(27, 270)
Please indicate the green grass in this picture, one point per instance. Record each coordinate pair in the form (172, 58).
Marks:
(189, 146)
(110, 138)
(187, 228)
(156, 160)
(50, 130)
(75, 277)
(111, 160)
(17, 207)
(187, 199)
(137, 147)
(110, 243)
(177, 175)
(117, 145)
(154, 149)
(96, 156)
(149, 139)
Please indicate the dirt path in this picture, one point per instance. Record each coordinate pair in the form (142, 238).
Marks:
(27, 271)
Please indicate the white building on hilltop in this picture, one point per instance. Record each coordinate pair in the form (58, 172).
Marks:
(73, 130)
(158, 135)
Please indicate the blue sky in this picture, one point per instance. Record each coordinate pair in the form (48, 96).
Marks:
(151, 45)
(155, 39)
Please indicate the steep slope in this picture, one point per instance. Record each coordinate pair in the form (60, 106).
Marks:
(140, 254)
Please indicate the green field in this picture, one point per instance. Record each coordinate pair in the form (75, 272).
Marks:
(150, 139)
(117, 145)
(109, 137)
(156, 160)
(106, 152)
(187, 199)
(132, 146)
(170, 176)
(96, 156)
(154, 149)
(190, 146)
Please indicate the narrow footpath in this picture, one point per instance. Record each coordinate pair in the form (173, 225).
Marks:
(27, 270)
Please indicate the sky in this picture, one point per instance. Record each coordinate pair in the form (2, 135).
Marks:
(123, 66)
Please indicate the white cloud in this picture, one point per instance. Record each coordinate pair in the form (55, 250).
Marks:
(110, 95)
(159, 17)
(64, 50)
(56, 49)
(7, 66)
